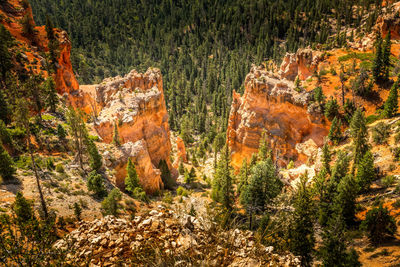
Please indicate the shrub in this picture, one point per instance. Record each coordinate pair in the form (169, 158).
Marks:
(110, 205)
(168, 197)
(60, 168)
(331, 109)
(77, 211)
(388, 180)
(7, 169)
(181, 191)
(139, 194)
(50, 164)
(61, 133)
(380, 133)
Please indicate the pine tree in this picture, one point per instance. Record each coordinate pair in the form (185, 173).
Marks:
(7, 169)
(345, 200)
(365, 171)
(386, 50)
(23, 209)
(95, 159)
(95, 184)
(222, 187)
(391, 104)
(331, 109)
(116, 140)
(132, 178)
(27, 26)
(61, 133)
(243, 176)
(263, 150)
(378, 60)
(110, 205)
(5, 56)
(359, 133)
(326, 157)
(379, 224)
(51, 94)
(77, 211)
(333, 252)
(335, 132)
(5, 113)
(263, 185)
(78, 131)
(168, 181)
(302, 238)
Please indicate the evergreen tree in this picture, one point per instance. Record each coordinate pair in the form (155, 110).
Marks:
(326, 157)
(263, 185)
(7, 169)
(391, 104)
(359, 133)
(335, 132)
(110, 205)
(243, 177)
(23, 208)
(5, 58)
(331, 109)
(263, 150)
(95, 184)
(345, 200)
(132, 178)
(378, 60)
(116, 140)
(386, 53)
(379, 224)
(365, 171)
(333, 252)
(51, 94)
(302, 233)
(168, 181)
(61, 133)
(5, 113)
(222, 187)
(77, 211)
(95, 159)
(27, 26)
(181, 168)
(78, 131)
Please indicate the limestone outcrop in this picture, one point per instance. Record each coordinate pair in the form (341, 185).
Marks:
(271, 104)
(135, 104)
(301, 64)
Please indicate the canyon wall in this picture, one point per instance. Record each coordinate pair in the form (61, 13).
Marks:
(34, 46)
(271, 104)
(135, 104)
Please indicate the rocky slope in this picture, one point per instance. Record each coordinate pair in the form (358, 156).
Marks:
(11, 13)
(161, 236)
(134, 104)
(272, 104)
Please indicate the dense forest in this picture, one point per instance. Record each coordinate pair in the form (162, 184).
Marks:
(204, 48)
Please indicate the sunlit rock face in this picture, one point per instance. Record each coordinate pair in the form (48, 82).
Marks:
(389, 20)
(136, 105)
(302, 64)
(271, 104)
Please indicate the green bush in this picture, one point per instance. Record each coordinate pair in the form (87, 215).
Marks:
(381, 133)
(388, 181)
(181, 191)
(139, 194)
(60, 168)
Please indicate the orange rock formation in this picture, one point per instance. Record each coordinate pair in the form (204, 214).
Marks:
(271, 104)
(181, 152)
(136, 104)
(34, 45)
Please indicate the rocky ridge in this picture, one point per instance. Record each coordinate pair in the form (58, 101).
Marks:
(272, 104)
(161, 236)
(135, 104)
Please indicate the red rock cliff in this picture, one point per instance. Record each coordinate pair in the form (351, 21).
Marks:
(136, 104)
(12, 12)
(271, 104)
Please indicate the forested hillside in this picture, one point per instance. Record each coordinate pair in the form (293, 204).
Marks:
(204, 48)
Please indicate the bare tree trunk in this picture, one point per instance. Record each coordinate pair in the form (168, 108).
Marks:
(42, 200)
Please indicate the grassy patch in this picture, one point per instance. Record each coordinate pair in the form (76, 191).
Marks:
(359, 56)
